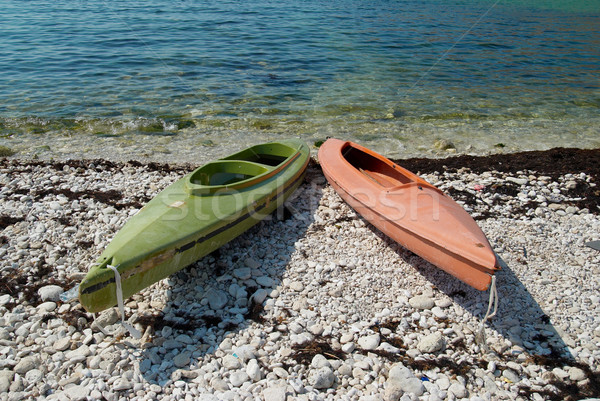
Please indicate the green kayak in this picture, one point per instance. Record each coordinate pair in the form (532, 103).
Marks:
(194, 216)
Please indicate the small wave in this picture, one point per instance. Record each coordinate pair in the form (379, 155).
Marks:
(102, 127)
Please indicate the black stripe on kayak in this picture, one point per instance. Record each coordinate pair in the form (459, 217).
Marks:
(190, 245)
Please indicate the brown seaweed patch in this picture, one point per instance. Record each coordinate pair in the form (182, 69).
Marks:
(75, 317)
(65, 221)
(6, 221)
(304, 353)
(255, 311)
(182, 321)
(110, 197)
(16, 281)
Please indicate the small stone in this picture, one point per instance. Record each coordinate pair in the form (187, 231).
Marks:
(281, 372)
(244, 353)
(518, 181)
(216, 299)
(400, 376)
(252, 263)
(511, 375)
(265, 281)
(26, 364)
(243, 273)
(219, 384)
(78, 355)
(316, 329)
(458, 390)
(259, 296)
(62, 344)
(576, 374)
(348, 347)
(182, 359)
(107, 317)
(77, 393)
(393, 392)
(6, 377)
(346, 338)
(389, 348)
(5, 298)
(319, 361)
(439, 312)
(358, 373)
(431, 343)
(253, 370)
(230, 362)
(48, 306)
(238, 378)
(322, 378)
(34, 376)
(277, 393)
(50, 293)
(421, 302)
(122, 384)
(369, 343)
(297, 286)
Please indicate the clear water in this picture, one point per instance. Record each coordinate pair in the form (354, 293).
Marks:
(171, 79)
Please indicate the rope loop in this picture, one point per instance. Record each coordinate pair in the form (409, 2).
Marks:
(132, 330)
(493, 300)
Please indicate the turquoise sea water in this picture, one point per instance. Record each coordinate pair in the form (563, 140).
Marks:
(171, 77)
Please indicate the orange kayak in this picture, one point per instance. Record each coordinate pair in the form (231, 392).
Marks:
(411, 211)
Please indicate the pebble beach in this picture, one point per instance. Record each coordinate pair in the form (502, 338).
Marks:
(311, 304)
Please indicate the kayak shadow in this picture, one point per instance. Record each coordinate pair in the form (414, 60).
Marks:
(520, 326)
(224, 294)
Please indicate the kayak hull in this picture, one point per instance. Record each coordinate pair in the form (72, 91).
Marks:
(409, 210)
(193, 217)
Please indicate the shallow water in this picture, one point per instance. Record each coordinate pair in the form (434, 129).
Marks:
(174, 79)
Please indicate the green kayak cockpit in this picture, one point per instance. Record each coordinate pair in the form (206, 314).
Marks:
(240, 170)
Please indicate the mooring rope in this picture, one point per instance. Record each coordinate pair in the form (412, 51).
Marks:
(493, 300)
(132, 330)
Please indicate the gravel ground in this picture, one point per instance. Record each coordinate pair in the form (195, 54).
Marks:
(315, 304)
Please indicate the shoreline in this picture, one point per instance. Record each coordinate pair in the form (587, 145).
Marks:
(345, 312)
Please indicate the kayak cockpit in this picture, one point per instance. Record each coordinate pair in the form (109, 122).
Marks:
(268, 154)
(376, 170)
(241, 170)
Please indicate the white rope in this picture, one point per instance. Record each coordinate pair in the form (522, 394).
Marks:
(132, 330)
(480, 337)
